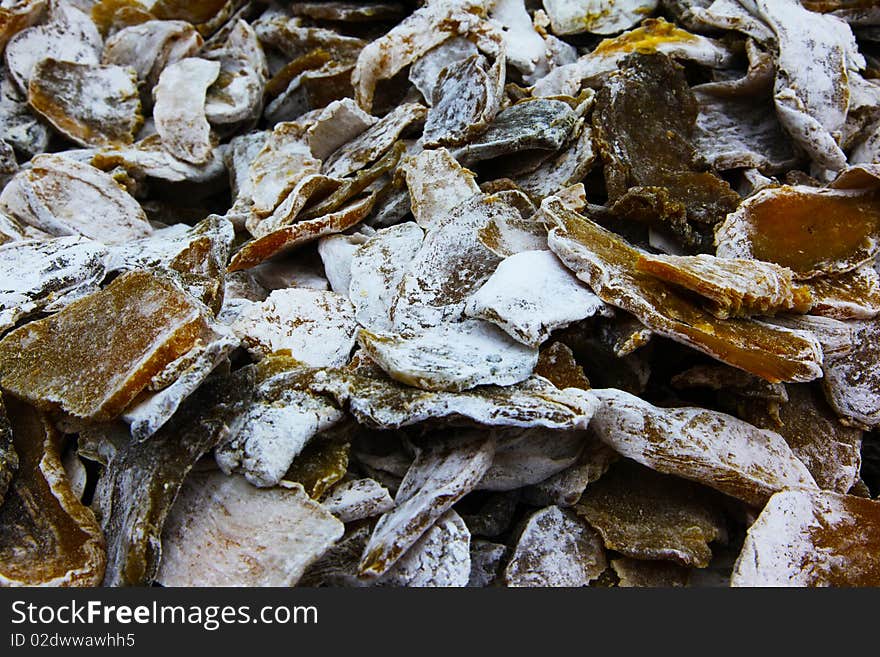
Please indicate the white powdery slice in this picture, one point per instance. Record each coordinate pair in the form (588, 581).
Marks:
(705, 446)
(36, 273)
(852, 380)
(441, 558)
(451, 357)
(530, 295)
(732, 15)
(238, 93)
(436, 183)
(224, 532)
(337, 252)
(556, 549)
(440, 476)
(358, 499)
(425, 72)
(339, 122)
(375, 271)
(237, 158)
(318, 327)
(596, 16)
(64, 197)
(425, 28)
(152, 410)
(806, 538)
(529, 456)
(179, 111)
(567, 168)
(148, 157)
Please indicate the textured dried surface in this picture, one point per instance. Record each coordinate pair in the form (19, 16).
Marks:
(237, 94)
(705, 446)
(322, 463)
(854, 295)
(437, 183)
(269, 537)
(556, 549)
(852, 380)
(596, 16)
(526, 457)
(358, 499)
(812, 538)
(86, 361)
(47, 538)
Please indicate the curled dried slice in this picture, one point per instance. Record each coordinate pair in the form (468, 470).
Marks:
(596, 16)
(47, 537)
(380, 402)
(811, 231)
(556, 549)
(812, 538)
(179, 111)
(358, 499)
(442, 474)
(529, 456)
(608, 264)
(316, 327)
(853, 295)
(451, 357)
(265, 537)
(64, 197)
(237, 93)
(34, 274)
(647, 515)
(89, 104)
(852, 380)
(425, 72)
(437, 183)
(735, 287)
(530, 295)
(705, 446)
(94, 357)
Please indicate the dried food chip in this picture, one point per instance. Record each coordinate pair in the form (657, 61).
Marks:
(557, 364)
(19, 15)
(528, 456)
(565, 489)
(425, 71)
(224, 532)
(320, 465)
(812, 538)
(337, 124)
(18, 126)
(337, 252)
(354, 12)
(852, 379)
(47, 537)
(358, 499)
(853, 295)
(437, 183)
(556, 549)
(237, 93)
(148, 157)
(596, 16)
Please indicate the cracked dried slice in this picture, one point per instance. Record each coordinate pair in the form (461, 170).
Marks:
(179, 110)
(442, 473)
(608, 264)
(466, 99)
(734, 287)
(381, 402)
(68, 35)
(530, 295)
(437, 183)
(647, 515)
(853, 295)
(451, 356)
(8, 455)
(237, 93)
(64, 197)
(596, 16)
(34, 274)
(94, 357)
(711, 448)
(376, 269)
(812, 538)
(852, 379)
(47, 537)
(315, 326)
(89, 104)
(811, 231)
(830, 450)
(224, 532)
(556, 549)
(358, 499)
(528, 456)
(425, 28)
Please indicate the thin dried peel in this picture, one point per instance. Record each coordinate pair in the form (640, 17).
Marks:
(854, 295)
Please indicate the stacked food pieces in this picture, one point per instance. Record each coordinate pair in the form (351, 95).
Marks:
(442, 293)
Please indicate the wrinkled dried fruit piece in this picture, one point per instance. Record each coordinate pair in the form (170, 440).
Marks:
(321, 463)
(705, 446)
(530, 295)
(608, 264)
(316, 327)
(647, 515)
(442, 474)
(853, 295)
(224, 532)
(358, 499)
(64, 197)
(8, 455)
(94, 357)
(437, 183)
(466, 99)
(652, 172)
(596, 16)
(828, 449)
(179, 111)
(811, 231)
(557, 364)
(378, 401)
(852, 380)
(35, 274)
(528, 456)
(237, 94)
(89, 104)
(735, 287)
(812, 538)
(451, 357)
(47, 538)
(652, 574)
(556, 549)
